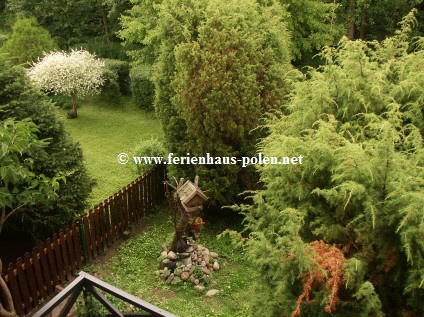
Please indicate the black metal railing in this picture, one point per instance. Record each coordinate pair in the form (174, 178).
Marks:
(88, 283)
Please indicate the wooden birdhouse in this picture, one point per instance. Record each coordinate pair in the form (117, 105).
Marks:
(192, 197)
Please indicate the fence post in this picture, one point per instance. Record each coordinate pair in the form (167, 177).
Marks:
(82, 240)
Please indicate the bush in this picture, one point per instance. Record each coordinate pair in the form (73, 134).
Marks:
(110, 87)
(102, 49)
(122, 69)
(142, 87)
(62, 101)
(3, 39)
(342, 232)
(19, 99)
(149, 148)
(28, 41)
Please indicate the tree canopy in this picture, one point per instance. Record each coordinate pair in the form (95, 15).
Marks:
(341, 233)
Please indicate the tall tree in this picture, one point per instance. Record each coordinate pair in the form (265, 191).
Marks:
(341, 233)
(27, 42)
(219, 66)
(19, 99)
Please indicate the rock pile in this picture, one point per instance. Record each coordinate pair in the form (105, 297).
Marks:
(195, 265)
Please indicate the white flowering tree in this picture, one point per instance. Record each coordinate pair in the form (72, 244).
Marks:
(73, 74)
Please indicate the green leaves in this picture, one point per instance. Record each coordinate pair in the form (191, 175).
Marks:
(357, 121)
(20, 186)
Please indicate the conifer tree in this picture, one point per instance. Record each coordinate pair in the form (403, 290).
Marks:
(220, 65)
(342, 233)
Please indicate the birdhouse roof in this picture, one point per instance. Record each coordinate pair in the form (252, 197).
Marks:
(188, 191)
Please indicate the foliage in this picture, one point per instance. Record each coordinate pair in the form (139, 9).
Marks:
(122, 69)
(20, 186)
(3, 39)
(73, 22)
(148, 148)
(219, 66)
(20, 100)
(61, 101)
(375, 20)
(110, 86)
(142, 88)
(27, 42)
(102, 49)
(357, 120)
(77, 73)
(312, 24)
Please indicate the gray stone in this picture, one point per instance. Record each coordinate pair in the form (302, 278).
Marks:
(199, 288)
(169, 279)
(206, 258)
(213, 283)
(190, 249)
(196, 281)
(203, 263)
(205, 251)
(185, 276)
(214, 255)
(206, 271)
(172, 255)
(164, 254)
(212, 292)
(216, 266)
(184, 255)
(186, 261)
(165, 263)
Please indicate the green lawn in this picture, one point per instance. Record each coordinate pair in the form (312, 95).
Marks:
(133, 270)
(105, 130)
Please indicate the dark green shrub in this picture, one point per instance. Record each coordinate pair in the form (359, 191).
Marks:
(20, 99)
(3, 38)
(110, 87)
(63, 102)
(142, 87)
(122, 69)
(148, 148)
(98, 46)
(27, 42)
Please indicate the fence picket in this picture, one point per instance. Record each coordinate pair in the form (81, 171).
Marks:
(77, 247)
(30, 277)
(23, 285)
(45, 269)
(41, 287)
(14, 289)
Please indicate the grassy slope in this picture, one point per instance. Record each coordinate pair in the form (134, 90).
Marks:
(132, 269)
(104, 131)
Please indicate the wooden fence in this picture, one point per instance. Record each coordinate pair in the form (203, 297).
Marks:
(34, 277)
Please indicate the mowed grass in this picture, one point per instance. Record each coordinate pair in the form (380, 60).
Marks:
(104, 130)
(133, 268)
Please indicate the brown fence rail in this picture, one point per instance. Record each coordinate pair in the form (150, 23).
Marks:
(56, 261)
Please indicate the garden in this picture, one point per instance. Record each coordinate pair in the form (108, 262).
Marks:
(212, 158)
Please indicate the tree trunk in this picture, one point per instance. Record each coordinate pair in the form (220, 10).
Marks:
(9, 310)
(2, 218)
(351, 19)
(74, 105)
(181, 229)
(363, 23)
(106, 26)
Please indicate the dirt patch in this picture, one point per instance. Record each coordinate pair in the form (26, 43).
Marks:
(163, 293)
